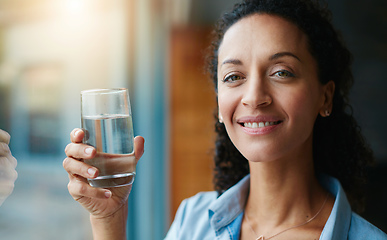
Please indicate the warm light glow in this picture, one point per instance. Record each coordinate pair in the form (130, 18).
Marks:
(75, 6)
(71, 8)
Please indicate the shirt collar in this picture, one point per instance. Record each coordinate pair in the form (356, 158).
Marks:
(337, 225)
(231, 203)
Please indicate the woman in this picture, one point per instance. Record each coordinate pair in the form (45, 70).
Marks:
(282, 77)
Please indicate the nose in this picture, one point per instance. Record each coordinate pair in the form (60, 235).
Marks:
(257, 94)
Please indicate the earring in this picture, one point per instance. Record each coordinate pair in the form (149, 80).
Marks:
(220, 118)
(327, 113)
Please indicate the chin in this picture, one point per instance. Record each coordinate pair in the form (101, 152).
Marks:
(261, 156)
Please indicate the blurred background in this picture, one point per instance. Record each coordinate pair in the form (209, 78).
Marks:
(50, 50)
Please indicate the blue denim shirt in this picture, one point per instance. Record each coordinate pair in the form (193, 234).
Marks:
(204, 216)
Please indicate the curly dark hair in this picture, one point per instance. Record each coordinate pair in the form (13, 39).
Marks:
(339, 149)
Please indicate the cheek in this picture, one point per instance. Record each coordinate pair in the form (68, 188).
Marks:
(224, 111)
(225, 104)
(304, 106)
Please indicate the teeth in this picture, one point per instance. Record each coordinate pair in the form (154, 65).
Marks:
(258, 125)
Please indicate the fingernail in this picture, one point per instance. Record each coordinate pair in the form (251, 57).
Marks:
(91, 171)
(77, 132)
(108, 194)
(88, 151)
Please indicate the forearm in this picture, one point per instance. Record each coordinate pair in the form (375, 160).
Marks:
(113, 227)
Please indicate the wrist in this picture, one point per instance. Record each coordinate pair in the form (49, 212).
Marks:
(111, 227)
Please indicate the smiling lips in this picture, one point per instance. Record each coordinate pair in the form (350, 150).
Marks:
(260, 125)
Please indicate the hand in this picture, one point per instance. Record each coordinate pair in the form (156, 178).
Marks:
(8, 164)
(101, 203)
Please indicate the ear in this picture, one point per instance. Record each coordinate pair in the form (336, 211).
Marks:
(329, 90)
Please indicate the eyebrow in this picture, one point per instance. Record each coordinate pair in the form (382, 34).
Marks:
(282, 54)
(232, 61)
(271, 58)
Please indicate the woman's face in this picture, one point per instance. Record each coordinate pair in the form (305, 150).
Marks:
(268, 90)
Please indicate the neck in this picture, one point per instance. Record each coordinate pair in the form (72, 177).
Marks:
(283, 192)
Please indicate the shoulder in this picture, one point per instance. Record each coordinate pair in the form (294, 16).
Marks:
(362, 229)
(197, 204)
(201, 198)
(192, 219)
(206, 215)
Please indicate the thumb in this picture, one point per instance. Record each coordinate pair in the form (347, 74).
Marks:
(138, 147)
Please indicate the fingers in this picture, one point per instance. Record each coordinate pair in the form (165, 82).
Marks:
(77, 135)
(138, 147)
(6, 152)
(78, 186)
(80, 151)
(6, 188)
(79, 171)
(4, 149)
(80, 189)
(13, 161)
(78, 168)
(7, 169)
(4, 137)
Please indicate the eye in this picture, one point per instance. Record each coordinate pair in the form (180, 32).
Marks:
(232, 78)
(283, 74)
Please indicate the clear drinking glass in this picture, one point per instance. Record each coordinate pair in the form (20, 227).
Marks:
(107, 122)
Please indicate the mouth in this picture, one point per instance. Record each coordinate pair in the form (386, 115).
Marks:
(259, 124)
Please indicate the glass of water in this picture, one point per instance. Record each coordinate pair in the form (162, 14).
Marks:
(107, 123)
